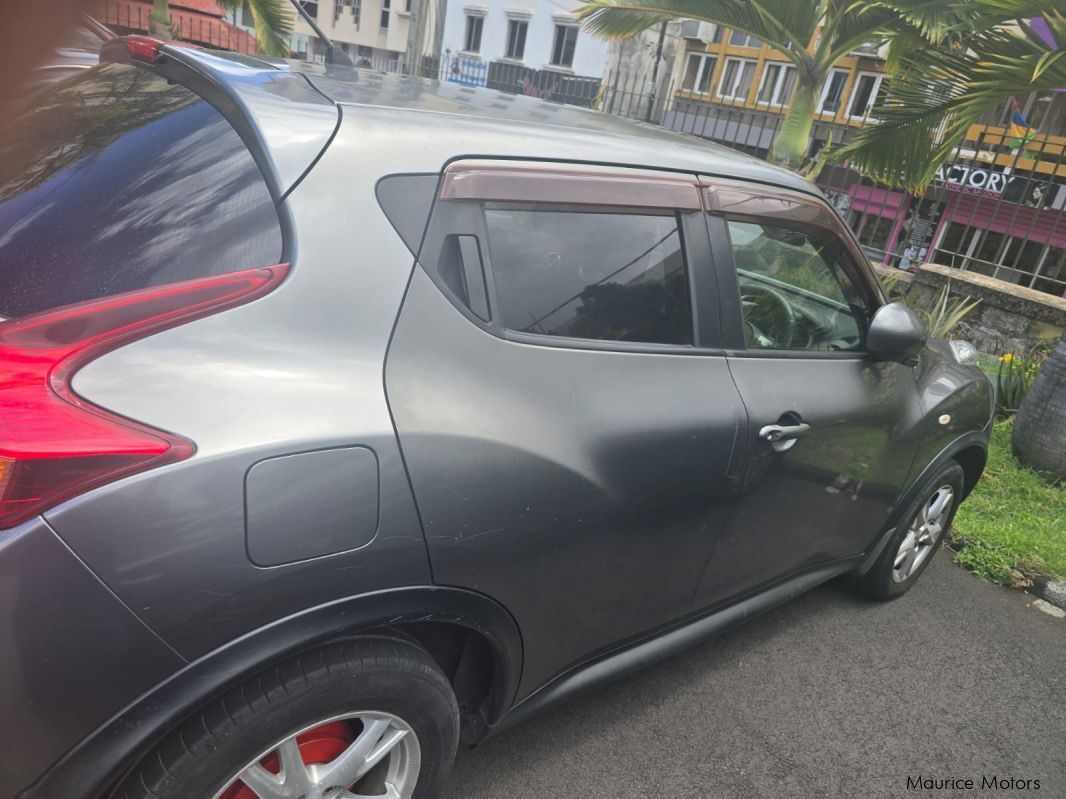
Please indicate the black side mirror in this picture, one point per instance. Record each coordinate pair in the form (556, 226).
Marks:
(895, 334)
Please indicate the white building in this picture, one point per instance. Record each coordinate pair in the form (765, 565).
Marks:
(373, 32)
(538, 34)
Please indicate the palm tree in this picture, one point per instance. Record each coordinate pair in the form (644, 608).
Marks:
(273, 22)
(812, 34)
(943, 80)
(1039, 437)
(1012, 47)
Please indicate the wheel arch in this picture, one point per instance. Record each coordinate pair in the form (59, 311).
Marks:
(969, 450)
(972, 459)
(436, 617)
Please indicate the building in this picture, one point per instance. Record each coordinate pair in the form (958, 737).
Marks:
(637, 78)
(533, 46)
(372, 32)
(201, 22)
(997, 207)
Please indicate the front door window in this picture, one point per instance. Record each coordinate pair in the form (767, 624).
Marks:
(794, 294)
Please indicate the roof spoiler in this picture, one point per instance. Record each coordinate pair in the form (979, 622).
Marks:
(247, 92)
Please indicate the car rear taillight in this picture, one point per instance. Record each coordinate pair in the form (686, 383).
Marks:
(55, 444)
(135, 47)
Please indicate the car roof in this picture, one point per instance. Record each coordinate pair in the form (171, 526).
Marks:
(510, 117)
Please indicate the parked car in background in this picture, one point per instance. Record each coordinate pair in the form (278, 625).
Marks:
(348, 416)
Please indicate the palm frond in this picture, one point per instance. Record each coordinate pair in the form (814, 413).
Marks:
(273, 23)
(902, 23)
(938, 93)
(786, 25)
(849, 24)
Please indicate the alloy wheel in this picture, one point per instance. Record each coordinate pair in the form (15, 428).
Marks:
(356, 756)
(924, 533)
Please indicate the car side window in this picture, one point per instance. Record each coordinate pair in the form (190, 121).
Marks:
(794, 294)
(590, 274)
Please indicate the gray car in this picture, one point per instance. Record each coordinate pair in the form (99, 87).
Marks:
(346, 416)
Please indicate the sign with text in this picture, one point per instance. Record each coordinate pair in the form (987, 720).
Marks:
(993, 183)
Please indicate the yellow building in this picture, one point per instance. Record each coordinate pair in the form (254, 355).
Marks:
(998, 207)
(738, 70)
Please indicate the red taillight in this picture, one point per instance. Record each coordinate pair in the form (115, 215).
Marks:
(122, 49)
(143, 48)
(53, 443)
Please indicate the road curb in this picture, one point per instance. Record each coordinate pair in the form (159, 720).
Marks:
(1039, 585)
(1051, 591)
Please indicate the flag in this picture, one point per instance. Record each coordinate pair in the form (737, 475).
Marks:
(1020, 131)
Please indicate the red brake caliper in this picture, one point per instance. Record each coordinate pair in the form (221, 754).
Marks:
(317, 746)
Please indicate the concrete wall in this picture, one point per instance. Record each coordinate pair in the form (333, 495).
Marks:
(1010, 318)
(627, 79)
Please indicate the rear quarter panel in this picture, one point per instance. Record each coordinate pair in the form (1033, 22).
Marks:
(298, 370)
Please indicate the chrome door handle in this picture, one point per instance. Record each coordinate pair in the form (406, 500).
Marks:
(783, 437)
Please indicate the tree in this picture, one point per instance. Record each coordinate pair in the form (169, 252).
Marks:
(273, 22)
(1009, 47)
(944, 79)
(812, 34)
(1039, 437)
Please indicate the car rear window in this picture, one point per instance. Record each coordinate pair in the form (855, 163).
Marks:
(118, 180)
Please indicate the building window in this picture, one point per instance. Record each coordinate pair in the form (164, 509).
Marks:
(833, 92)
(741, 39)
(472, 41)
(737, 77)
(516, 38)
(873, 233)
(1048, 113)
(698, 73)
(869, 48)
(1051, 272)
(866, 91)
(778, 81)
(1010, 258)
(563, 47)
(340, 5)
(407, 6)
(357, 11)
(310, 6)
(385, 7)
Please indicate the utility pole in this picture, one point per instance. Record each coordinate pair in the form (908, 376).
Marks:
(416, 36)
(655, 73)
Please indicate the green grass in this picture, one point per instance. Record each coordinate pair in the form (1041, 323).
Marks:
(1014, 519)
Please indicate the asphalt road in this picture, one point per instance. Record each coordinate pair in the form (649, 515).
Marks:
(825, 696)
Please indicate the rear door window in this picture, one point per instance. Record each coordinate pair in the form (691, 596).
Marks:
(118, 180)
(590, 275)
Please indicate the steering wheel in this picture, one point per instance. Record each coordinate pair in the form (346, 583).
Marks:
(767, 314)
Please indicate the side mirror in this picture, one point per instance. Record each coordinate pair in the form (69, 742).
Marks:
(895, 334)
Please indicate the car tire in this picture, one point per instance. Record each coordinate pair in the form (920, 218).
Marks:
(319, 707)
(924, 525)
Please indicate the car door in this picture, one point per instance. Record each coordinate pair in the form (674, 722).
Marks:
(829, 445)
(567, 419)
